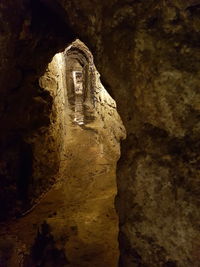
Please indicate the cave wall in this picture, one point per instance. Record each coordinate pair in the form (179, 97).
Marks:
(40, 234)
(148, 55)
(98, 107)
(27, 45)
(49, 161)
(106, 119)
(49, 144)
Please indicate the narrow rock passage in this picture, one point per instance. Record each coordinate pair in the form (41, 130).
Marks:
(89, 196)
(80, 210)
(74, 222)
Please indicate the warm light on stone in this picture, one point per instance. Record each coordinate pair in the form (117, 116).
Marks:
(148, 55)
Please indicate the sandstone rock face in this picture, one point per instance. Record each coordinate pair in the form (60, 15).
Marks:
(148, 56)
(49, 144)
(71, 215)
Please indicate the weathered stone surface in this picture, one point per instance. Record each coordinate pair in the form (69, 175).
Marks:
(148, 56)
(148, 53)
(26, 48)
(73, 178)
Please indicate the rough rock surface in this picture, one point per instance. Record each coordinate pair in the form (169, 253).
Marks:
(73, 222)
(148, 55)
(25, 108)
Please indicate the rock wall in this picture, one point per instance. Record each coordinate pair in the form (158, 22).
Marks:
(49, 144)
(107, 120)
(148, 56)
(99, 109)
(24, 107)
(59, 165)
